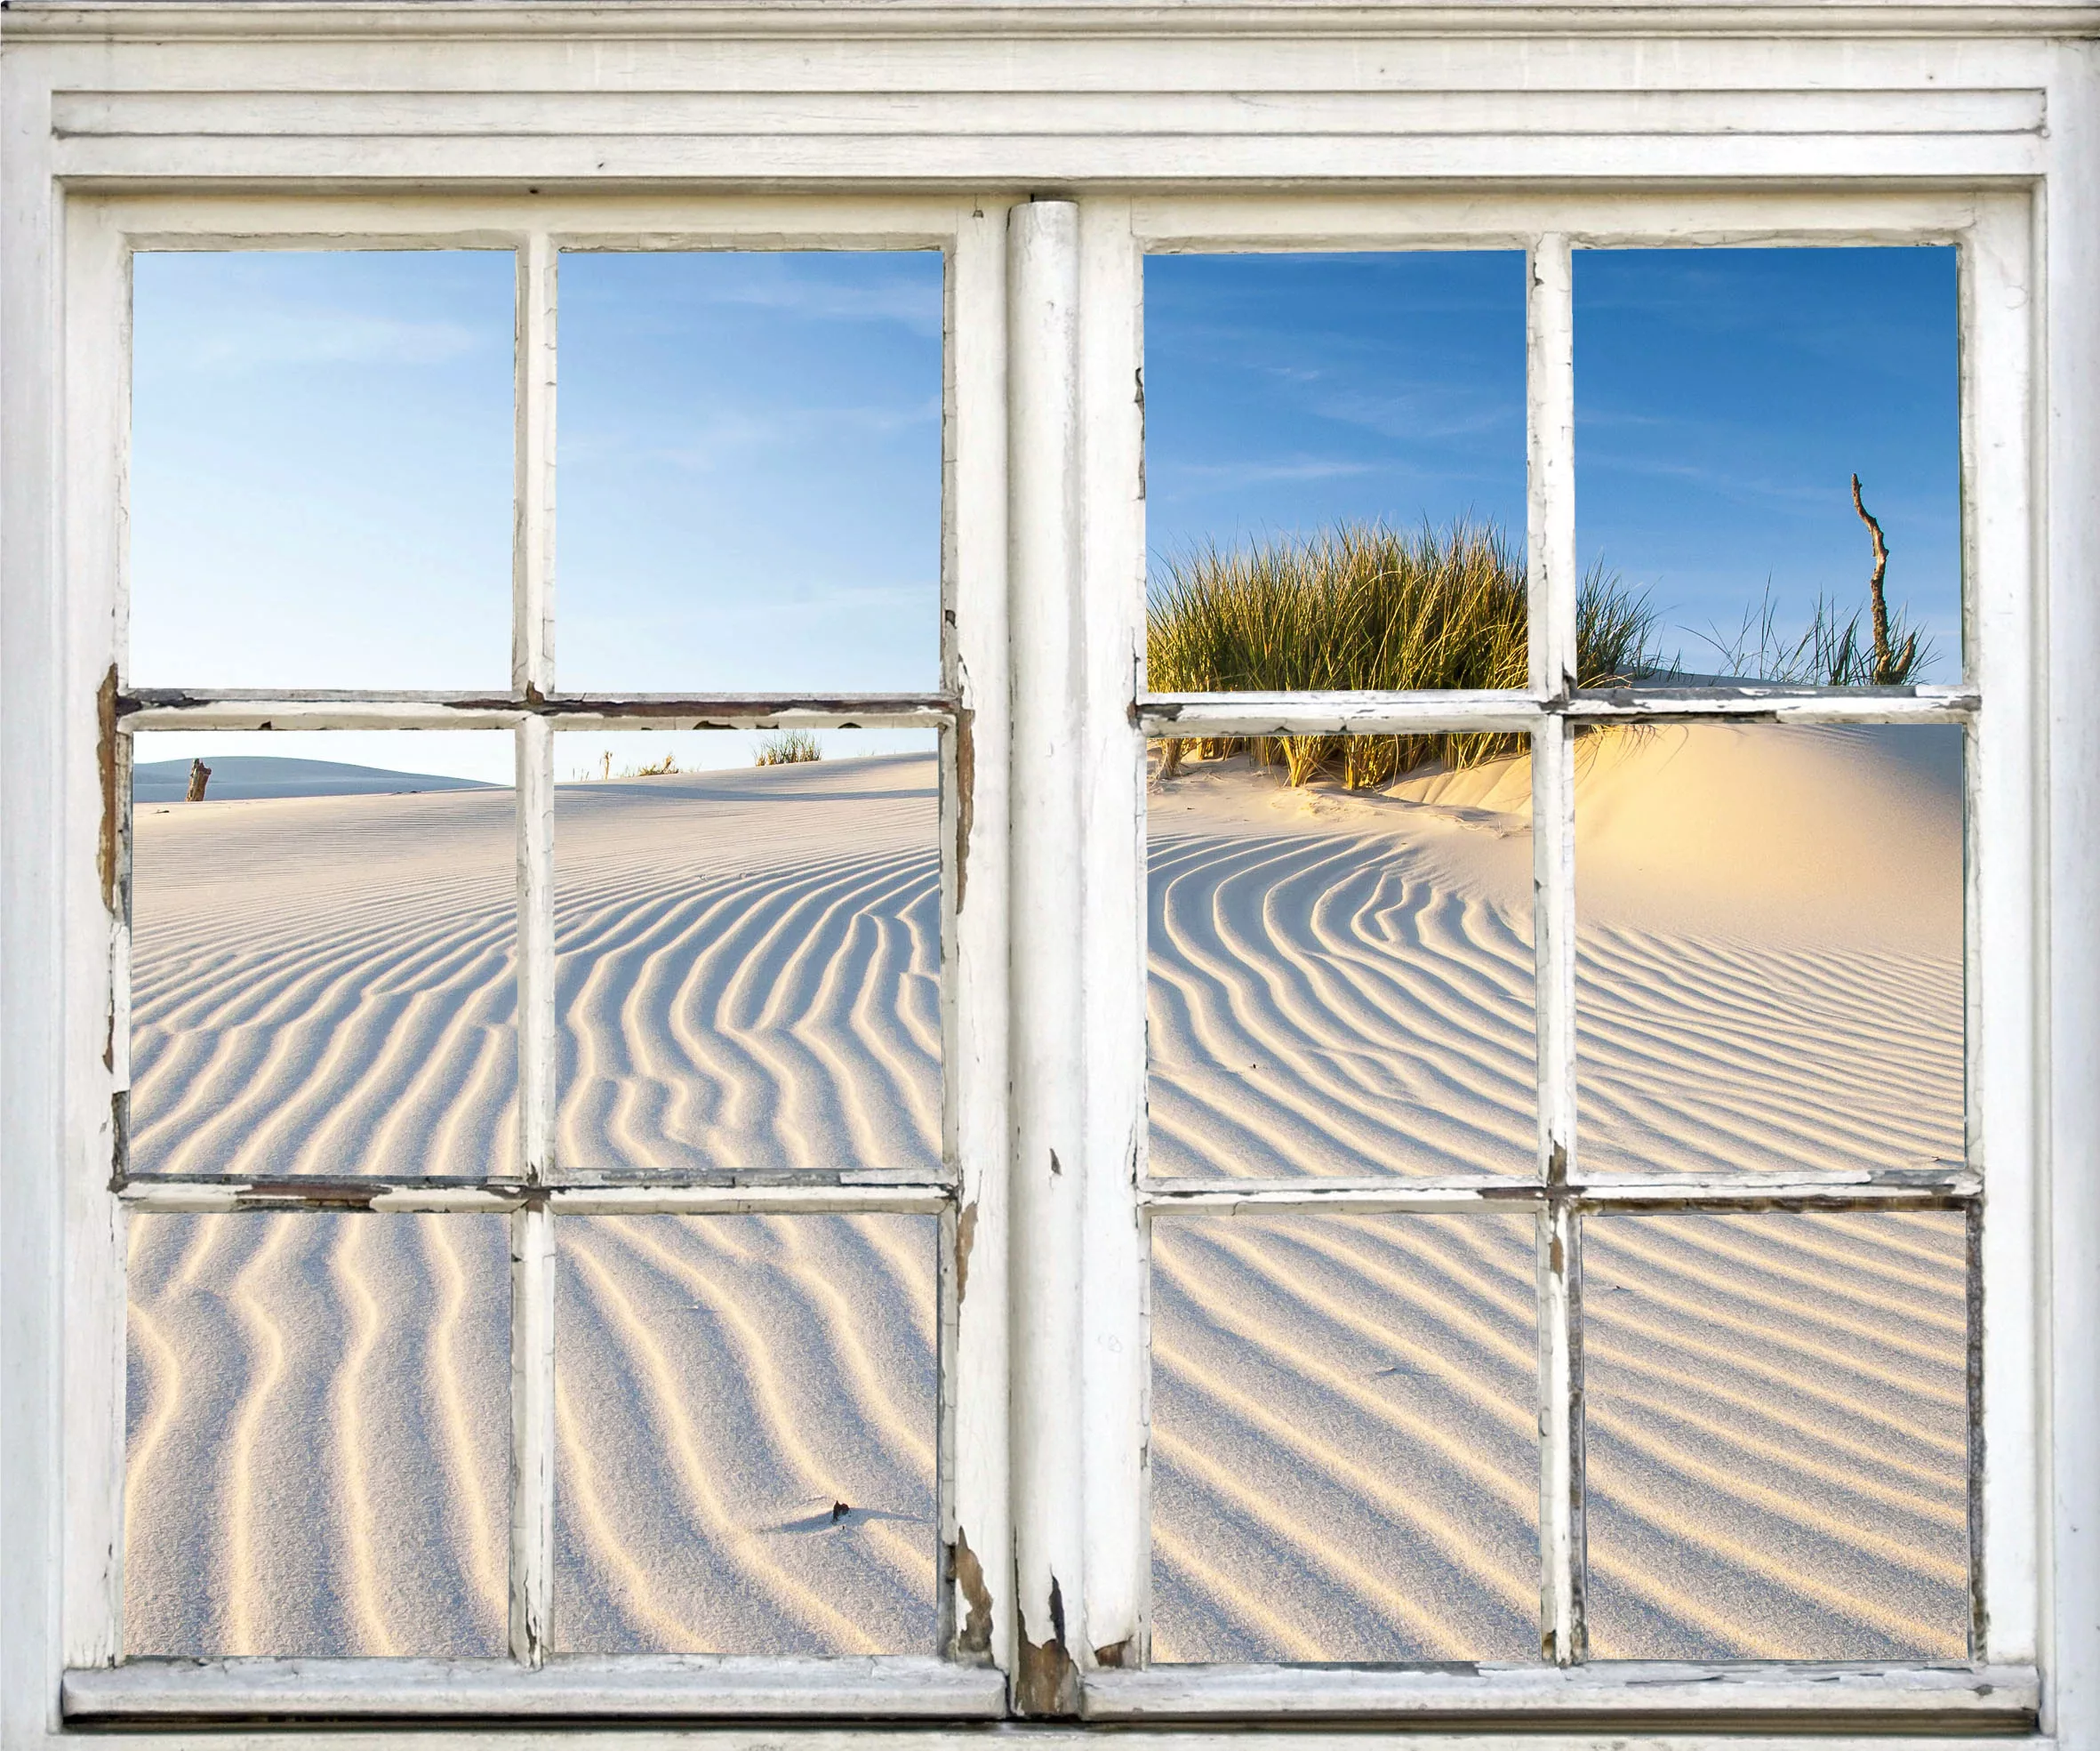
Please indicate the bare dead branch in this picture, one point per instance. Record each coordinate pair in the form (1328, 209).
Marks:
(1884, 658)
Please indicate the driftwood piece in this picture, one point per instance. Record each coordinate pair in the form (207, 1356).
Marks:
(1884, 658)
(200, 775)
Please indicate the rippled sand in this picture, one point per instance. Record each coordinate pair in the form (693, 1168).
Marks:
(1344, 1448)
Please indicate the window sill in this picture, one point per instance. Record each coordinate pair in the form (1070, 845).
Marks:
(1610, 1694)
(631, 1687)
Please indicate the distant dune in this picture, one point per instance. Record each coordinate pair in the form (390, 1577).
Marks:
(1344, 1442)
(246, 777)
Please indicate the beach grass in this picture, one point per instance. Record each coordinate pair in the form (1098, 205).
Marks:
(1833, 650)
(788, 747)
(1366, 607)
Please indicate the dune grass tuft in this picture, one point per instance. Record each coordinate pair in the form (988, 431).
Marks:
(1367, 606)
(788, 747)
(1832, 651)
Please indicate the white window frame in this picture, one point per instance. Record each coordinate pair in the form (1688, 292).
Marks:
(525, 126)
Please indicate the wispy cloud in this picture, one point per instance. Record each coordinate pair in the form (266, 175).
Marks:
(1216, 476)
(231, 340)
(1730, 483)
(845, 288)
(896, 301)
(1423, 412)
(728, 435)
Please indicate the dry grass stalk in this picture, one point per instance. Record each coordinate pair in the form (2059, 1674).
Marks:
(1364, 606)
(788, 747)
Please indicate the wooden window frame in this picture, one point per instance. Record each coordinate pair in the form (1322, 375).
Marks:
(451, 126)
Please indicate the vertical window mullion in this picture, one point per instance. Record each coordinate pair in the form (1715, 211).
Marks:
(532, 1228)
(1047, 899)
(1549, 392)
(2004, 772)
(978, 1596)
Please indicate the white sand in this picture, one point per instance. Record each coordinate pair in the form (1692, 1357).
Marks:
(1344, 1456)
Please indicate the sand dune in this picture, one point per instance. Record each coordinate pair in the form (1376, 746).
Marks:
(1344, 1447)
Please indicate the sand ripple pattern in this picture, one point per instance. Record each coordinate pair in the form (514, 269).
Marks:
(325, 985)
(320, 1434)
(744, 984)
(1332, 1003)
(1336, 1003)
(1706, 1054)
(745, 1409)
(1344, 1447)
(1777, 1436)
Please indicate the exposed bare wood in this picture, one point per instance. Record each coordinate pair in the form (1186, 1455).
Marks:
(1623, 1694)
(174, 709)
(922, 1199)
(1051, 114)
(175, 1195)
(90, 784)
(1372, 1194)
(1882, 1189)
(1553, 585)
(1779, 705)
(1048, 1168)
(636, 1687)
(1188, 715)
(531, 545)
(531, 1224)
(977, 1602)
(2008, 938)
(1114, 1610)
(532, 1434)
(1194, 715)
(1271, 28)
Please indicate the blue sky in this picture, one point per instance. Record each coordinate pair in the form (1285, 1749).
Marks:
(749, 449)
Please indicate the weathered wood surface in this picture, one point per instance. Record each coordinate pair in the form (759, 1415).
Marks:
(1621, 1694)
(636, 1687)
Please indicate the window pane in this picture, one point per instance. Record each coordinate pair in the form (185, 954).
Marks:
(1334, 472)
(320, 479)
(323, 962)
(1724, 399)
(745, 1412)
(1344, 1438)
(1768, 965)
(750, 955)
(750, 471)
(1778, 1460)
(318, 1435)
(1340, 983)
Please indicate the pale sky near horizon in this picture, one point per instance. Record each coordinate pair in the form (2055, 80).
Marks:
(748, 451)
